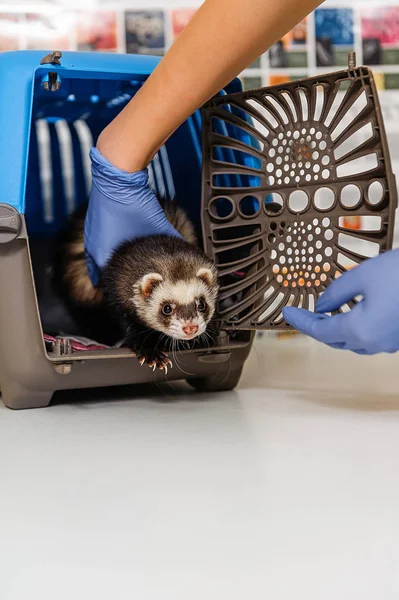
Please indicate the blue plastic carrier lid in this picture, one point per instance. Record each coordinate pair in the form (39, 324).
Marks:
(22, 98)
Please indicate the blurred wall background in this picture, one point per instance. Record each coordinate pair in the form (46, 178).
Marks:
(317, 45)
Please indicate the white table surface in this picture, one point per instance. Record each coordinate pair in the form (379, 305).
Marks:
(286, 489)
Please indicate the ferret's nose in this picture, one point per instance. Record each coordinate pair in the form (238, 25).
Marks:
(190, 329)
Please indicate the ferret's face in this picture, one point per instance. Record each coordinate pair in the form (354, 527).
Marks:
(182, 309)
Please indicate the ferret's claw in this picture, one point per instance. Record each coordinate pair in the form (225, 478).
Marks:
(161, 362)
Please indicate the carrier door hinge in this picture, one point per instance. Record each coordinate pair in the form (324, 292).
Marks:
(51, 82)
(54, 58)
(222, 339)
(351, 61)
(62, 347)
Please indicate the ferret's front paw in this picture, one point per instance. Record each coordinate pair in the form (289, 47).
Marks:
(155, 359)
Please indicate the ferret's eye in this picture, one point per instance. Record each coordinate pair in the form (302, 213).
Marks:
(201, 305)
(167, 309)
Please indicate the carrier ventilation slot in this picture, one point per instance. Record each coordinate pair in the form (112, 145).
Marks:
(57, 143)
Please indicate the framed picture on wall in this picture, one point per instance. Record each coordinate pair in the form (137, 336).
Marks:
(380, 35)
(180, 19)
(97, 30)
(335, 36)
(279, 78)
(145, 31)
(291, 50)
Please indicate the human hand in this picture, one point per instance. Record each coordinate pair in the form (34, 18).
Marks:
(121, 207)
(373, 324)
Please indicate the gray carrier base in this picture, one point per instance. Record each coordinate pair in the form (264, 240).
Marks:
(29, 376)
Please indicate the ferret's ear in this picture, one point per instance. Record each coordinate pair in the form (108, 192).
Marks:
(207, 276)
(149, 283)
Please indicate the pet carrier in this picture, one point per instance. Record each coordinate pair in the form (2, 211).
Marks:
(53, 109)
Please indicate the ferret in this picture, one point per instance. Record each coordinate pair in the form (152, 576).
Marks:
(155, 291)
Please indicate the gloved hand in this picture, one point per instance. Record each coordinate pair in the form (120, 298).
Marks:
(373, 324)
(121, 207)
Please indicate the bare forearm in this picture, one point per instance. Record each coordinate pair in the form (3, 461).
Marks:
(223, 38)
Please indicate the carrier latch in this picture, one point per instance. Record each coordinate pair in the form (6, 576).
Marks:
(52, 81)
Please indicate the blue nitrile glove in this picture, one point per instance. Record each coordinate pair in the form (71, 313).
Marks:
(373, 324)
(121, 207)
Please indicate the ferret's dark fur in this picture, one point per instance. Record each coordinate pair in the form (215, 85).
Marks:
(123, 307)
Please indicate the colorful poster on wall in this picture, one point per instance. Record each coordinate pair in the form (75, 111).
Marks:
(145, 32)
(291, 50)
(278, 79)
(49, 31)
(181, 18)
(96, 30)
(380, 34)
(334, 36)
(10, 30)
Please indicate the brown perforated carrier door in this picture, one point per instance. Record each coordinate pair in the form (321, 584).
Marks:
(297, 189)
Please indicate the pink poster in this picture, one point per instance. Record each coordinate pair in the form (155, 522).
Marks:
(97, 30)
(180, 18)
(381, 23)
